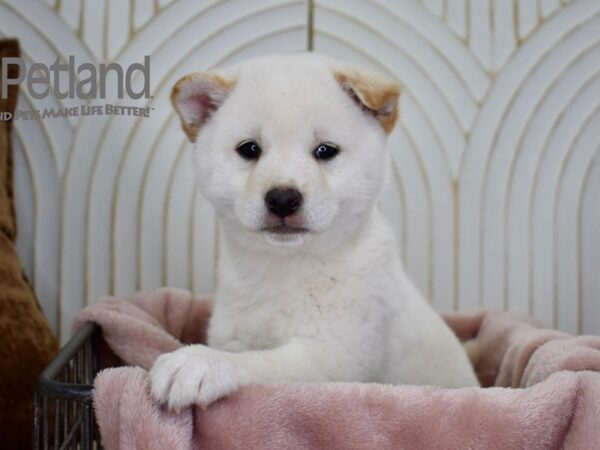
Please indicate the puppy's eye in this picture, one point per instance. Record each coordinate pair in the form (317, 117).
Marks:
(248, 150)
(325, 152)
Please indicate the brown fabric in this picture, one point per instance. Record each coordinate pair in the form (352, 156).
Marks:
(26, 342)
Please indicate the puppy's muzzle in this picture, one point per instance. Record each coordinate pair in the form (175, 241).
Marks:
(283, 202)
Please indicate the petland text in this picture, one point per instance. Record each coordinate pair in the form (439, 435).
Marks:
(90, 82)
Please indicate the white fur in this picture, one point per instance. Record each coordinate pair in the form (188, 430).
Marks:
(333, 304)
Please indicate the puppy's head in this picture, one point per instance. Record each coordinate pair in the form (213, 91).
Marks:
(289, 149)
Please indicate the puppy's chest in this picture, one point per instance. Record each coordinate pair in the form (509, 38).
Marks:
(253, 316)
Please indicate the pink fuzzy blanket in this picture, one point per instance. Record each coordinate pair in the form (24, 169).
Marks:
(547, 392)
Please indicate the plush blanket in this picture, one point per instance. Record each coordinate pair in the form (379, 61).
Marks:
(542, 391)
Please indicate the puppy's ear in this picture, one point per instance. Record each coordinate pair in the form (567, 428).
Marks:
(196, 97)
(373, 94)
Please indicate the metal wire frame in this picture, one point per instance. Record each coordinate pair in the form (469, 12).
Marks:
(63, 412)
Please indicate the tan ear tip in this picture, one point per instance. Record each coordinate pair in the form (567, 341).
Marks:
(177, 88)
(174, 94)
(394, 90)
(190, 132)
(175, 91)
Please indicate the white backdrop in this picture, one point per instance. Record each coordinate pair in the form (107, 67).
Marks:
(496, 176)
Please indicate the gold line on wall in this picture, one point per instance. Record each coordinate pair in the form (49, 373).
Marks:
(449, 64)
(535, 181)
(516, 156)
(415, 99)
(494, 142)
(595, 160)
(157, 89)
(140, 202)
(168, 194)
(433, 154)
(403, 207)
(567, 156)
(417, 153)
(310, 25)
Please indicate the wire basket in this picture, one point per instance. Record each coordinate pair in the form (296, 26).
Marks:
(62, 405)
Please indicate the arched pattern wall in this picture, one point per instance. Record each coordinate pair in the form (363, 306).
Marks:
(496, 151)
(494, 193)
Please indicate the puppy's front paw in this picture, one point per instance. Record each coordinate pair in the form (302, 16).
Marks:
(192, 375)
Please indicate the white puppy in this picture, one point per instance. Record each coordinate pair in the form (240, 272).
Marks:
(291, 152)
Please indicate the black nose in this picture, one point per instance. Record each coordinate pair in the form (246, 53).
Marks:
(283, 202)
